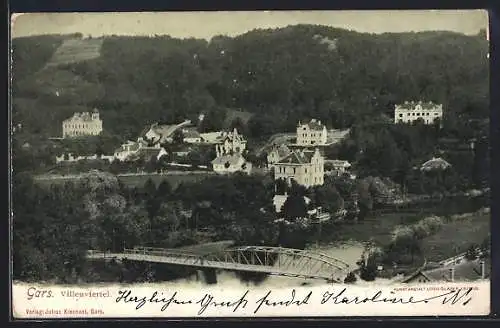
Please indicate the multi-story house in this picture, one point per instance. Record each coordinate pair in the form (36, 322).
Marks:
(82, 124)
(231, 163)
(311, 134)
(229, 147)
(427, 112)
(230, 143)
(305, 167)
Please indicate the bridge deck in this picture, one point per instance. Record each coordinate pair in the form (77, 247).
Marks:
(291, 263)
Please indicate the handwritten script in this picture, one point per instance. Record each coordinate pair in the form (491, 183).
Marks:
(257, 301)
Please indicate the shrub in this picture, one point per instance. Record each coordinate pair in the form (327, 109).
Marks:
(369, 272)
(472, 252)
(351, 278)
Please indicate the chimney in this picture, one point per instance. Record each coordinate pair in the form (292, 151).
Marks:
(452, 274)
(483, 269)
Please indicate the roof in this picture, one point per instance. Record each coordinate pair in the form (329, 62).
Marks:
(211, 136)
(232, 159)
(435, 164)
(133, 146)
(298, 157)
(144, 131)
(465, 271)
(164, 131)
(338, 162)
(191, 133)
(282, 150)
(314, 125)
(85, 116)
(413, 104)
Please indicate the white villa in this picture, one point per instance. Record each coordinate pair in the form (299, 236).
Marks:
(228, 163)
(136, 149)
(225, 142)
(311, 134)
(229, 147)
(82, 124)
(306, 167)
(409, 112)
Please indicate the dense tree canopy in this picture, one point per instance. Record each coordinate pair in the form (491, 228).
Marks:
(286, 74)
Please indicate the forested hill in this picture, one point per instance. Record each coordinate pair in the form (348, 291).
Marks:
(281, 75)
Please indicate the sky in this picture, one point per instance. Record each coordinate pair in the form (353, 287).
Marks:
(208, 24)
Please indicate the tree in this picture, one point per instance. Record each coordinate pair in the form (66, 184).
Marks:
(238, 124)
(351, 278)
(213, 121)
(472, 252)
(294, 207)
(327, 197)
(164, 189)
(368, 272)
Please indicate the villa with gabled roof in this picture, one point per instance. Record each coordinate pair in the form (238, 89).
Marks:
(306, 167)
(310, 134)
(82, 124)
(410, 111)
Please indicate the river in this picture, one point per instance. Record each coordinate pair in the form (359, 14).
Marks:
(349, 252)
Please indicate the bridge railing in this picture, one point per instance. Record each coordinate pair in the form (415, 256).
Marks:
(158, 252)
(159, 249)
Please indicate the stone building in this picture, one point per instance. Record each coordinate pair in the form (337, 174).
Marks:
(311, 134)
(427, 112)
(82, 124)
(306, 167)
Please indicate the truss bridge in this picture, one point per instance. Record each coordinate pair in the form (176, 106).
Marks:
(270, 260)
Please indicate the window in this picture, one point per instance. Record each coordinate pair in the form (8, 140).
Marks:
(293, 170)
(400, 115)
(305, 170)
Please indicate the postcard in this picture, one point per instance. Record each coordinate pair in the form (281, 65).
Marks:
(250, 164)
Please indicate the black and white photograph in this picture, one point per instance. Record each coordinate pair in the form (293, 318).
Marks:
(266, 149)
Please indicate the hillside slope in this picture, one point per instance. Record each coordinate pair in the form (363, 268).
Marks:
(281, 75)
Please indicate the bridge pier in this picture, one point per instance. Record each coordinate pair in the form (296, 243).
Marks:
(208, 276)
